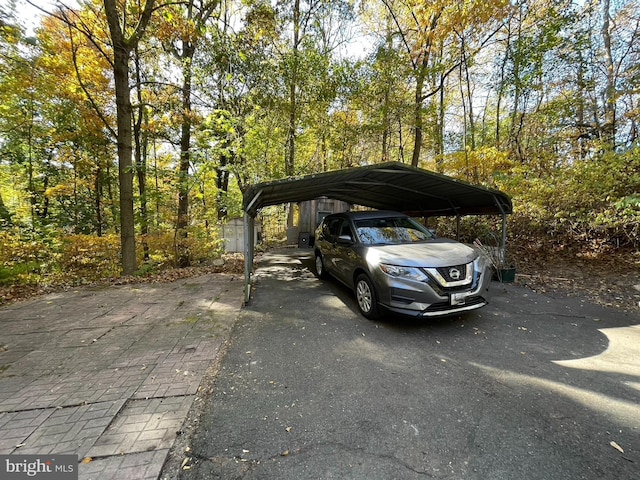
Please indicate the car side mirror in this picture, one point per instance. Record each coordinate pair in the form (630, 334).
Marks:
(345, 240)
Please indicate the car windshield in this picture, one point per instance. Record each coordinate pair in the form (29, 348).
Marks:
(395, 230)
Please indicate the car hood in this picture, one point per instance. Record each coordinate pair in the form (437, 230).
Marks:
(441, 252)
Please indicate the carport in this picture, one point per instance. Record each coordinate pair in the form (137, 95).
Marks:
(384, 186)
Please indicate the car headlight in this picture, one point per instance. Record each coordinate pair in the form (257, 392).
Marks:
(410, 273)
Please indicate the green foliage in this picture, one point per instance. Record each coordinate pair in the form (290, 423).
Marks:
(511, 100)
(589, 205)
(89, 257)
(23, 274)
(24, 257)
(27, 259)
(203, 245)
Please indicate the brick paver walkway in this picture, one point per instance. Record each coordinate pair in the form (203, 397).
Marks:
(110, 374)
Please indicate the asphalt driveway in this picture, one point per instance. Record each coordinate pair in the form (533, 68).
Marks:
(530, 387)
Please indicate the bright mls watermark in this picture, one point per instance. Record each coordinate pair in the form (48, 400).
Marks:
(50, 467)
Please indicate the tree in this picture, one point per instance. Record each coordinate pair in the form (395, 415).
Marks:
(426, 31)
(609, 101)
(306, 49)
(125, 36)
(188, 21)
(78, 132)
(126, 27)
(20, 125)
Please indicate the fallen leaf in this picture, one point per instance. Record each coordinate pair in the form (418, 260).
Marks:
(87, 460)
(616, 446)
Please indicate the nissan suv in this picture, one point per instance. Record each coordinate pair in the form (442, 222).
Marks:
(393, 263)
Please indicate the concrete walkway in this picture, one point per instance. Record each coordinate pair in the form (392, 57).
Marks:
(109, 374)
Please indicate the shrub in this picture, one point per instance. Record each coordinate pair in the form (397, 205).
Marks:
(24, 257)
(89, 257)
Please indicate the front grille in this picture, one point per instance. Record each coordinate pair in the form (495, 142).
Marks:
(447, 271)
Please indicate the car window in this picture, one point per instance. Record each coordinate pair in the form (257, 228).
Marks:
(391, 231)
(333, 227)
(345, 229)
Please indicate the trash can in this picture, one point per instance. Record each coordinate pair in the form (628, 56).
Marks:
(304, 240)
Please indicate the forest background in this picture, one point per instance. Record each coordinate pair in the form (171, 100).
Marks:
(130, 128)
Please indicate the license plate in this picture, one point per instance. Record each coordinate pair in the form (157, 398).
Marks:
(458, 298)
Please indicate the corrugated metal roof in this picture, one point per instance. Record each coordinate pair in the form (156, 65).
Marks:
(385, 186)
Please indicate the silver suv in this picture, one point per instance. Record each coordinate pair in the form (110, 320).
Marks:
(392, 262)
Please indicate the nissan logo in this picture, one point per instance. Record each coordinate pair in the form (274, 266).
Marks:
(454, 273)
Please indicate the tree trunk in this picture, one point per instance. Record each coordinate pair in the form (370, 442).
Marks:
(222, 184)
(385, 127)
(122, 47)
(111, 196)
(417, 117)
(608, 133)
(583, 129)
(5, 215)
(183, 257)
(439, 134)
(197, 13)
(141, 159)
(125, 151)
(501, 85)
(289, 164)
(386, 106)
(472, 123)
(98, 198)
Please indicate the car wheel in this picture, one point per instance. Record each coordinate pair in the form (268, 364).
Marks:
(320, 270)
(366, 297)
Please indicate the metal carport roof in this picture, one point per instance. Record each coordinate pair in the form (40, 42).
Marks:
(385, 186)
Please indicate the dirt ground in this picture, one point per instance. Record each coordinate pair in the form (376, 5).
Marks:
(612, 281)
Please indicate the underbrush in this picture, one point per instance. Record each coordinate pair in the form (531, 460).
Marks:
(31, 263)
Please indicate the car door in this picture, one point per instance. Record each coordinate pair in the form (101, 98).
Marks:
(345, 257)
(330, 234)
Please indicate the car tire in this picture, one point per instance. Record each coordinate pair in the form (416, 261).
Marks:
(321, 272)
(366, 297)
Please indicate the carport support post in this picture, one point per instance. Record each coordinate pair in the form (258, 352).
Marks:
(503, 247)
(504, 239)
(249, 226)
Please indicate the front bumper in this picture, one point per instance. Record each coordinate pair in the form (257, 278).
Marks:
(440, 310)
(430, 299)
